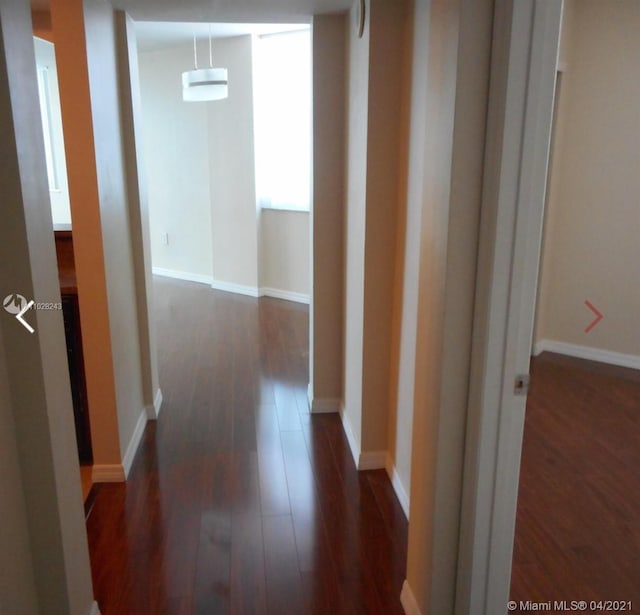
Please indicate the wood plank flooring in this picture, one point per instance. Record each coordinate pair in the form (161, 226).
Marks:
(578, 520)
(239, 501)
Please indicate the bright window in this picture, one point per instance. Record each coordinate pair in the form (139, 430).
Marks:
(282, 119)
(45, 113)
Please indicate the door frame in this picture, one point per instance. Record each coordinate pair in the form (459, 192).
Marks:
(524, 59)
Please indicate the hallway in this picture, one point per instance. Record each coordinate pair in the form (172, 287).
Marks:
(240, 501)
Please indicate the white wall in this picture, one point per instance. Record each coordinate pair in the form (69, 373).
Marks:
(414, 194)
(284, 251)
(591, 247)
(234, 224)
(327, 306)
(176, 155)
(138, 202)
(201, 180)
(400, 424)
(355, 212)
(17, 585)
(386, 146)
(114, 215)
(39, 463)
(60, 207)
(375, 146)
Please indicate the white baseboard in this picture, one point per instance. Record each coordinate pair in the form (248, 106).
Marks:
(153, 411)
(327, 405)
(94, 610)
(397, 485)
(157, 402)
(230, 287)
(323, 405)
(284, 294)
(118, 473)
(353, 445)
(408, 600)
(134, 443)
(586, 352)
(239, 289)
(108, 473)
(372, 460)
(183, 275)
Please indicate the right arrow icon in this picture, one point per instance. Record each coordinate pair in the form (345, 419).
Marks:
(598, 318)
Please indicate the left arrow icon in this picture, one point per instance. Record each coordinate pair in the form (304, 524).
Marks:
(21, 320)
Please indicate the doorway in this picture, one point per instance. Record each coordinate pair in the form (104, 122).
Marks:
(229, 180)
(516, 180)
(578, 477)
(53, 133)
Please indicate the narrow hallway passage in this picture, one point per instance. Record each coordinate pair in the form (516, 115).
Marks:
(240, 501)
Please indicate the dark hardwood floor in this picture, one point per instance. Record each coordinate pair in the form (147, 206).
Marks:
(578, 521)
(239, 501)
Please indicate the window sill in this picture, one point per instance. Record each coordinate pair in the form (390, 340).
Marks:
(285, 208)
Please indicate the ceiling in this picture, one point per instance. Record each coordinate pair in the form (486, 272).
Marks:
(154, 35)
(229, 17)
(238, 11)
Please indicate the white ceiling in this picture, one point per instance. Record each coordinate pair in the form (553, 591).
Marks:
(230, 11)
(230, 17)
(154, 35)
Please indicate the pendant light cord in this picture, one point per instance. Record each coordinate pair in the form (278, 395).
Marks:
(210, 49)
(195, 50)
